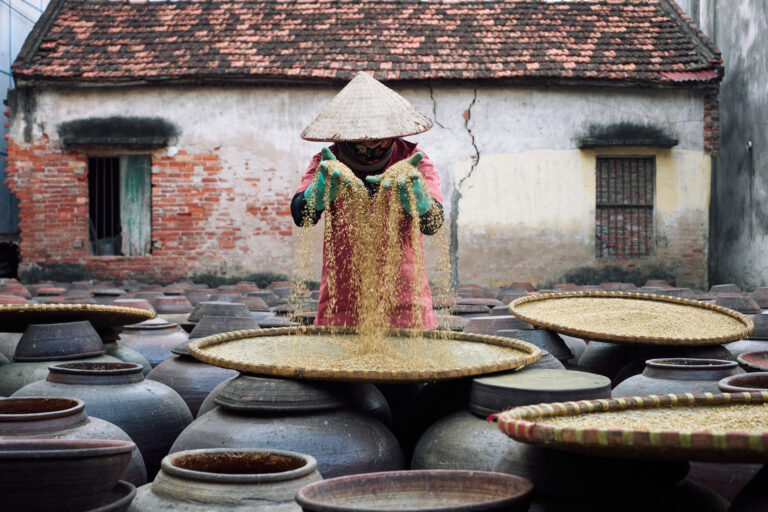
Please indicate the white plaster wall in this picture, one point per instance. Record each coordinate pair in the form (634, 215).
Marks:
(510, 152)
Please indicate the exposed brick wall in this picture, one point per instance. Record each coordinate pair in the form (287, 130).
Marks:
(712, 122)
(624, 210)
(192, 228)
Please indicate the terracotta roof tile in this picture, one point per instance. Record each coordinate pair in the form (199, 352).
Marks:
(606, 40)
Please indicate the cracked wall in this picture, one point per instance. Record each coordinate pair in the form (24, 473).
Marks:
(519, 194)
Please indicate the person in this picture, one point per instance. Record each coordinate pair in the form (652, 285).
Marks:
(366, 122)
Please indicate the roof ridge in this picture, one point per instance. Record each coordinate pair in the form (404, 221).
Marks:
(39, 31)
(686, 23)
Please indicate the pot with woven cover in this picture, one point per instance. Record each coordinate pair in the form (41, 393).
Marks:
(150, 412)
(467, 440)
(228, 479)
(677, 375)
(44, 344)
(310, 417)
(153, 339)
(63, 418)
(193, 380)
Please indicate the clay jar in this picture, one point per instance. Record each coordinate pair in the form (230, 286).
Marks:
(228, 479)
(63, 418)
(542, 338)
(444, 491)
(174, 309)
(757, 341)
(467, 440)
(112, 346)
(46, 344)
(191, 379)
(54, 474)
(150, 412)
(310, 417)
(677, 375)
(619, 361)
(153, 339)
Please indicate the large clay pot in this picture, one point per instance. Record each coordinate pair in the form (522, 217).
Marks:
(190, 378)
(8, 342)
(362, 396)
(150, 412)
(444, 491)
(542, 338)
(55, 474)
(209, 325)
(754, 361)
(153, 339)
(753, 497)
(16, 375)
(228, 479)
(58, 341)
(575, 475)
(677, 375)
(62, 418)
(310, 417)
(125, 354)
(619, 361)
(467, 440)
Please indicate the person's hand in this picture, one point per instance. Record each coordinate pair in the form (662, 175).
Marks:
(404, 185)
(325, 181)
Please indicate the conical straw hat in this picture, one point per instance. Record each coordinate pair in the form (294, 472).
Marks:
(366, 109)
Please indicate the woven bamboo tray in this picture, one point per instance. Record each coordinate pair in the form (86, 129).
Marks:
(632, 322)
(529, 425)
(268, 352)
(16, 317)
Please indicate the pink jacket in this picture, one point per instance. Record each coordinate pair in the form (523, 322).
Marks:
(403, 316)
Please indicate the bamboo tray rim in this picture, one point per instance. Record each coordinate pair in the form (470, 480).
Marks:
(528, 424)
(18, 316)
(514, 309)
(531, 354)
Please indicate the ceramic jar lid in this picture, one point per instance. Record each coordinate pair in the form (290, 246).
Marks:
(208, 308)
(269, 395)
(51, 342)
(210, 325)
(496, 393)
(153, 324)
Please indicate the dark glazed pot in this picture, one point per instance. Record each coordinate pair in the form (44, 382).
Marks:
(150, 412)
(362, 396)
(619, 361)
(754, 361)
(153, 339)
(575, 475)
(60, 474)
(209, 325)
(542, 338)
(228, 479)
(62, 419)
(190, 378)
(62, 341)
(14, 376)
(467, 440)
(310, 417)
(746, 383)
(428, 490)
(8, 342)
(677, 375)
(753, 497)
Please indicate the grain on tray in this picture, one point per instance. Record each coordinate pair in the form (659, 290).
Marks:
(710, 418)
(633, 317)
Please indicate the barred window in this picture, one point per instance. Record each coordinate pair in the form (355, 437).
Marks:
(120, 205)
(624, 213)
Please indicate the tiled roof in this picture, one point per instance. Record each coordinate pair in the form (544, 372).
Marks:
(101, 41)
